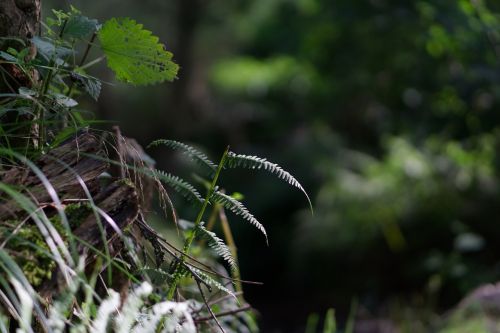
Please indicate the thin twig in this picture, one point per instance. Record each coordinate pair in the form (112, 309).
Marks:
(212, 315)
(225, 313)
(218, 300)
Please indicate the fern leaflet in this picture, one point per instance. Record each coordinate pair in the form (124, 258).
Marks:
(191, 152)
(210, 280)
(253, 162)
(178, 184)
(219, 246)
(237, 208)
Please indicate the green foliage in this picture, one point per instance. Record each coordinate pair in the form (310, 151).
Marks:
(30, 251)
(189, 151)
(330, 325)
(217, 197)
(237, 208)
(254, 162)
(42, 244)
(134, 54)
(90, 85)
(58, 72)
(219, 246)
(29, 246)
(260, 79)
(210, 281)
(184, 188)
(80, 27)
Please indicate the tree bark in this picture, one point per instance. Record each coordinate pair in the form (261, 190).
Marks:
(20, 18)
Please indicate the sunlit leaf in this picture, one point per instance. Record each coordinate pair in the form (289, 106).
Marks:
(134, 54)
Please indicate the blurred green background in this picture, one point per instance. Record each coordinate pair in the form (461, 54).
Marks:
(386, 111)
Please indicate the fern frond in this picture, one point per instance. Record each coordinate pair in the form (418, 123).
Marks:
(178, 184)
(237, 208)
(253, 162)
(191, 152)
(219, 246)
(207, 279)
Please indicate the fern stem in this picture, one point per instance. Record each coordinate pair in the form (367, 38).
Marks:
(191, 237)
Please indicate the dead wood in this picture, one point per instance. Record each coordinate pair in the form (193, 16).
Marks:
(80, 159)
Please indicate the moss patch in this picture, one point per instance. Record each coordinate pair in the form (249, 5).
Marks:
(28, 247)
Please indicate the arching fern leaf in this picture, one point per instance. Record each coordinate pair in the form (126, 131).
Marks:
(237, 208)
(253, 162)
(191, 152)
(134, 54)
(178, 184)
(219, 246)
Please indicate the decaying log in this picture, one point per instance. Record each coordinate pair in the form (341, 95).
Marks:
(60, 167)
(81, 159)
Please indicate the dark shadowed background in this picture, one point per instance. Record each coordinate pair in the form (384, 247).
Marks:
(386, 111)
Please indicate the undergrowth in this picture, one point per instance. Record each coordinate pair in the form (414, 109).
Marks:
(54, 280)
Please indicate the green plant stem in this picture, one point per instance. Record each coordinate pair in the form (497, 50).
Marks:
(92, 63)
(82, 61)
(45, 88)
(39, 112)
(187, 244)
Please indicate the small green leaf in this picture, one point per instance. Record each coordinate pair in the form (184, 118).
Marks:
(79, 27)
(48, 49)
(12, 51)
(65, 101)
(134, 54)
(91, 85)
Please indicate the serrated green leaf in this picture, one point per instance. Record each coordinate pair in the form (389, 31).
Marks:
(134, 54)
(92, 86)
(79, 27)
